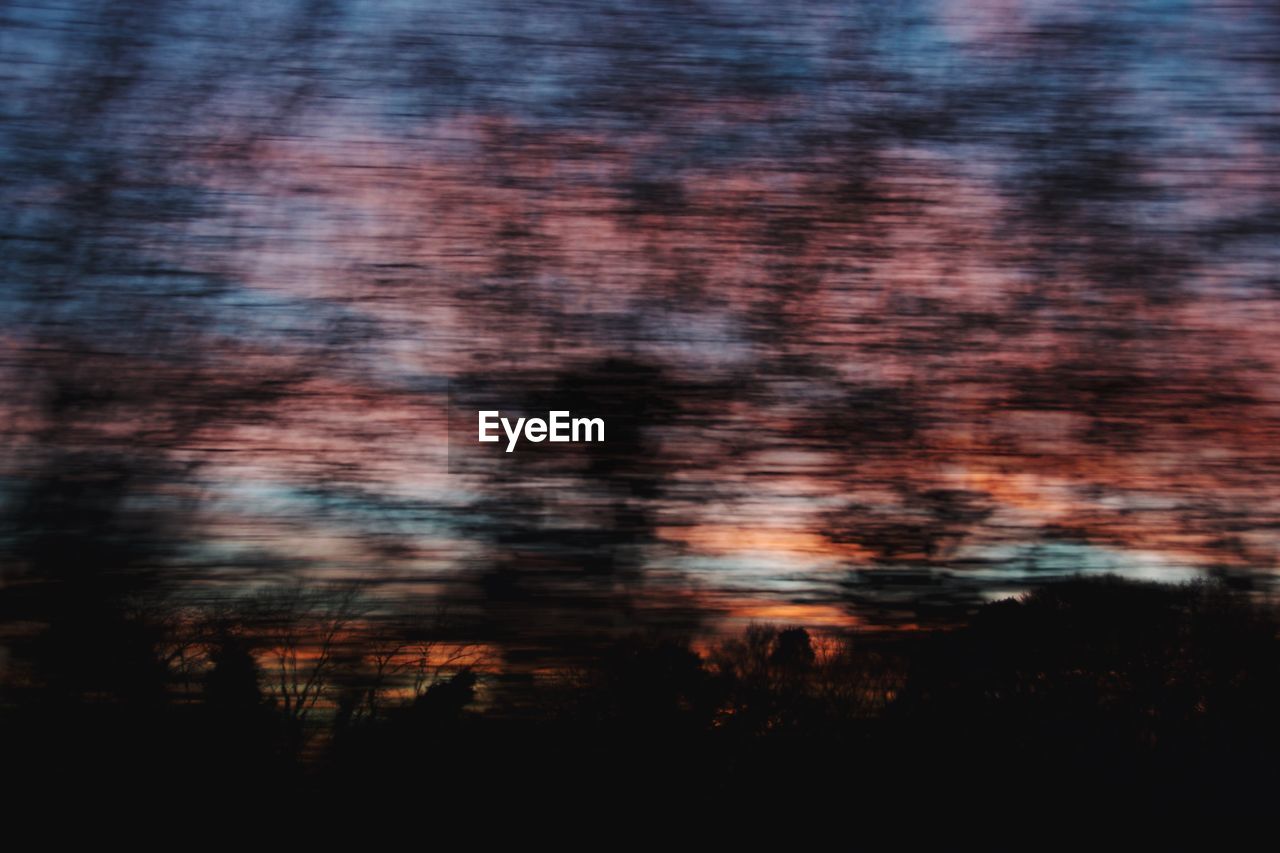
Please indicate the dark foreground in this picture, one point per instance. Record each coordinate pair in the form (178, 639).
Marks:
(1097, 698)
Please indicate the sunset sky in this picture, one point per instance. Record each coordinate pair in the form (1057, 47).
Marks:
(923, 301)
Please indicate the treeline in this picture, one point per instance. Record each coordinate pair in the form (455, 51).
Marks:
(1104, 691)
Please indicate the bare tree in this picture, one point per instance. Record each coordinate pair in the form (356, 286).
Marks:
(305, 632)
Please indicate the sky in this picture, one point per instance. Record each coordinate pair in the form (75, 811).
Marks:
(905, 307)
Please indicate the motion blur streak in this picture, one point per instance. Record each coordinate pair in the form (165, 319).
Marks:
(903, 307)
